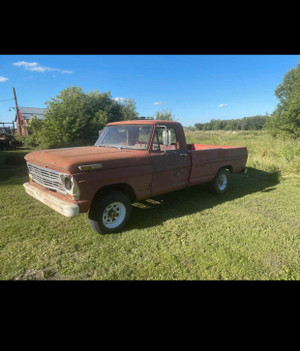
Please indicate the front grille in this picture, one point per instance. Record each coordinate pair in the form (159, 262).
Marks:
(46, 178)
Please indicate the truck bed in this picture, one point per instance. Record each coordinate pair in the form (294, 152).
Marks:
(194, 147)
(207, 159)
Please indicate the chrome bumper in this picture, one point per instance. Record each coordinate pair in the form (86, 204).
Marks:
(63, 207)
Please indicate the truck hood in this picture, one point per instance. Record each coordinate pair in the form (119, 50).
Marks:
(68, 159)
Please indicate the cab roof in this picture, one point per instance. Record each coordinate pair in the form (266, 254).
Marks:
(143, 121)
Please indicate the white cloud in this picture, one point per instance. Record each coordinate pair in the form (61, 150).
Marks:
(3, 79)
(157, 103)
(222, 105)
(36, 67)
(120, 99)
(25, 64)
(64, 71)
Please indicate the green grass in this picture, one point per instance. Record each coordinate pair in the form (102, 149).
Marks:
(250, 233)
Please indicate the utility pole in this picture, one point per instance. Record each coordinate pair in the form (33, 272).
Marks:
(17, 109)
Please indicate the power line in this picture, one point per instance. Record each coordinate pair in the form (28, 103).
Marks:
(6, 100)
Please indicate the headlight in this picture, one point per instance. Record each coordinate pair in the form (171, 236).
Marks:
(68, 183)
(70, 186)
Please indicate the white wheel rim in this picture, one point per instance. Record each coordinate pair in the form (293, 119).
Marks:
(114, 215)
(222, 182)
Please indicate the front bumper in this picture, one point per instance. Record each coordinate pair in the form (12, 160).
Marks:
(63, 207)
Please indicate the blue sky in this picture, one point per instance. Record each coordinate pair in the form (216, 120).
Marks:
(195, 88)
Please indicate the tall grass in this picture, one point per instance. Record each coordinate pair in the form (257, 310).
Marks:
(265, 152)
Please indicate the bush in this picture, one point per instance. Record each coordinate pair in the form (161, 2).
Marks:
(77, 116)
(19, 140)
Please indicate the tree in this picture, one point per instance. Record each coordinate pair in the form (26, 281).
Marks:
(74, 115)
(165, 115)
(34, 127)
(128, 109)
(199, 126)
(286, 117)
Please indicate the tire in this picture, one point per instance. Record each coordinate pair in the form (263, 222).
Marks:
(220, 183)
(110, 212)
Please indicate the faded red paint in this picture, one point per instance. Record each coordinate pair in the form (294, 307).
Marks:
(23, 124)
(146, 172)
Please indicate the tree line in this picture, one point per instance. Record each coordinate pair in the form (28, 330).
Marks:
(284, 120)
(245, 123)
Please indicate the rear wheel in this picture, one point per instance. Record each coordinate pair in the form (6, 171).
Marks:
(220, 183)
(110, 212)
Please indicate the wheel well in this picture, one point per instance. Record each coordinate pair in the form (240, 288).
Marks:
(125, 188)
(229, 168)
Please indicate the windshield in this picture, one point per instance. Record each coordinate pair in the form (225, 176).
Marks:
(130, 136)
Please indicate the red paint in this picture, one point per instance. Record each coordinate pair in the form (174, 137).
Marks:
(23, 124)
(147, 172)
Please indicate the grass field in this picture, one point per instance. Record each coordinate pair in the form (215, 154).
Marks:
(250, 233)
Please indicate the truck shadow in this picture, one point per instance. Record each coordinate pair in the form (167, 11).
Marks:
(155, 211)
(15, 175)
(13, 169)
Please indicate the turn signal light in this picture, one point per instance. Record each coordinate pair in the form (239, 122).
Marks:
(85, 168)
(90, 167)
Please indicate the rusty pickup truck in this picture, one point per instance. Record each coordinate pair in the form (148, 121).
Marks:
(131, 161)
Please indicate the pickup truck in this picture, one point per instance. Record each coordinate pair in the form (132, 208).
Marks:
(131, 161)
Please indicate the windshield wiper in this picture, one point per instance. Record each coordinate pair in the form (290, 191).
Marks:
(115, 146)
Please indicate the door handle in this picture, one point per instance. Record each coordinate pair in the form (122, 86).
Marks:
(183, 154)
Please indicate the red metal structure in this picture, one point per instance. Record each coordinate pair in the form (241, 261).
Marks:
(25, 114)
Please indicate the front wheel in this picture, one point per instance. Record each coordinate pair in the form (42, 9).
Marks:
(110, 212)
(220, 183)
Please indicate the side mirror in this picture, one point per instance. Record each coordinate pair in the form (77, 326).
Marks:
(165, 138)
(166, 135)
(169, 137)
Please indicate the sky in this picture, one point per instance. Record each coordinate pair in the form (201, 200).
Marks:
(195, 88)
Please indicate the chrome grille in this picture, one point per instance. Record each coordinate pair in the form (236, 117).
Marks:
(46, 178)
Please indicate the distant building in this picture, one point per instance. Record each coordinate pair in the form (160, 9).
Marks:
(25, 114)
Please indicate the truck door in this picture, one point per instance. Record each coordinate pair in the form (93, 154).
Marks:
(170, 168)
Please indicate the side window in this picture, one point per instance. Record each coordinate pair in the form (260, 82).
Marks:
(174, 140)
(155, 143)
(158, 145)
